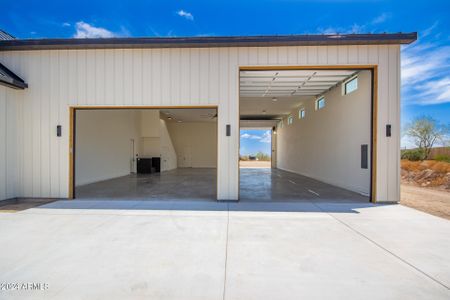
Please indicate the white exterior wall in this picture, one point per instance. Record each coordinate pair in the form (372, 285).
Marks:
(326, 144)
(59, 79)
(9, 141)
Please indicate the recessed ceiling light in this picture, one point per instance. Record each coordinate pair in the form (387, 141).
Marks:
(274, 99)
(179, 121)
(264, 111)
(170, 118)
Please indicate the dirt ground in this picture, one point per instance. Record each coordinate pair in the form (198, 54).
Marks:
(254, 164)
(429, 200)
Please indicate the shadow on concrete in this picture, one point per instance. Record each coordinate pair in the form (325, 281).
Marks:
(202, 205)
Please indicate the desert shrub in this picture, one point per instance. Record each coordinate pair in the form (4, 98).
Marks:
(413, 154)
(442, 157)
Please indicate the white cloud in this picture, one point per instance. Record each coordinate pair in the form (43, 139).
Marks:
(66, 24)
(356, 28)
(267, 137)
(425, 71)
(185, 14)
(250, 136)
(85, 30)
(381, 18)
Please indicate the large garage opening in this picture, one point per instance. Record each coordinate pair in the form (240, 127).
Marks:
(321, 133)
(145, 154)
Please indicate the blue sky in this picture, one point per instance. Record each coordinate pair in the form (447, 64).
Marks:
(425, 64)
(254, 141)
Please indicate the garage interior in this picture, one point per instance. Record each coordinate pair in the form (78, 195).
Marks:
(144, 154)
(321, 121)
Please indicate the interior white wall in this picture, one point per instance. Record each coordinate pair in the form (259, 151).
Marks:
(197, 139)
(326, 144)
(9, 142)
(168, 154)
(103, 144)
(59, 79)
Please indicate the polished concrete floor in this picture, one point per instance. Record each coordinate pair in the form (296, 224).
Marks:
(256, 185)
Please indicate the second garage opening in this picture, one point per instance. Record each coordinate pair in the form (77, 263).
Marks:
(321, 129)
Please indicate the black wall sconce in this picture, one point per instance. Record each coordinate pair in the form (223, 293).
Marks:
(58, 130)
(388, 130)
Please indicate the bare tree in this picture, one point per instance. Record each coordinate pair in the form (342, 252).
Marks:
(426, 131)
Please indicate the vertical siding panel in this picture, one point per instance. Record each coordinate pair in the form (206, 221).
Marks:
(81, 76)
(137, 77)
(195, 76)
(363, 54)
(204, 76)
(233, 140)
(214, 96)
(263, 58)
(54, 121)
(100, 81)
(283, 55)
(272, 55)
(118, 77)
(253, 56)
(393, 162)
(36, 125)
(342, 55)
(45, 124)
(3, 144)
(223, 119)
(73, 77)
(147, 77)
(312, 52)
(63, 120)
(11, 142)
(184, 75)
(156, 77)
(373, 55)
(332, 55)
(383, 112)
(165, 75)
(322, 55)
(109, 76)
(243, 56)
(127, 77)
(302, 56)
(352, 54)
(90, 77)
(175, 78)
(28, 105)
(292, 56)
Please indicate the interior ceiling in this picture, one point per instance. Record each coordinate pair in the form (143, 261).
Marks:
(190, 115)
(289, 88)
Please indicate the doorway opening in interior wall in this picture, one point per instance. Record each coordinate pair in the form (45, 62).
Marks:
(309, 162)
(255, 148)
(143, 153)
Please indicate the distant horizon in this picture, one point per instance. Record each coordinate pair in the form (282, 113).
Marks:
(253, 141)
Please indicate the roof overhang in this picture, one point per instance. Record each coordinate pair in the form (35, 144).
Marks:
(9, 79)
(210, 42)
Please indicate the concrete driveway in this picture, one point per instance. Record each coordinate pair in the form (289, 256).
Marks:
(207, 250)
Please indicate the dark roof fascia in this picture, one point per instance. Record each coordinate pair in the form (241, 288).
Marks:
(209, 42)
(12, 80)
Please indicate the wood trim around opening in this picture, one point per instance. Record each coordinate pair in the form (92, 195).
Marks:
(374, 108)
(72, 120)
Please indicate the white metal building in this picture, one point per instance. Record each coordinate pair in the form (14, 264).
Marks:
(46, 82)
